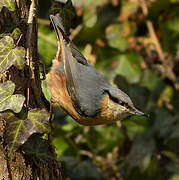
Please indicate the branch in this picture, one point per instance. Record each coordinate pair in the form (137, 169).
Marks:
(46, 38)
(32, 14)
(152, 31)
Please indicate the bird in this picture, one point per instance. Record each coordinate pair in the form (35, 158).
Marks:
(80, 89)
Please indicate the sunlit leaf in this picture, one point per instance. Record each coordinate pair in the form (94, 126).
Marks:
(171, 155)
(129, 66)
(115, 37)
(152, 169)
(45, 89)
(174, 1)
(90, 17)
(18, 130)
(8, 100)
(16, 33)
(10, 4)
(10, 55)
(174, 177)
(60, 145)
(128, 9)
(166, 96)
(47, 46)
(39, 119)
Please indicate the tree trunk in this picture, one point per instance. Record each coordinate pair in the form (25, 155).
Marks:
(26, 161)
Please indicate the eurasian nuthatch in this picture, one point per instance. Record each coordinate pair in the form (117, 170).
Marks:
(78, 88)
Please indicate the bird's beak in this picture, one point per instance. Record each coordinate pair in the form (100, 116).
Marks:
(139, 113)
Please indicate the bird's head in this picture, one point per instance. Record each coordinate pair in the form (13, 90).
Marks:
(121, 105)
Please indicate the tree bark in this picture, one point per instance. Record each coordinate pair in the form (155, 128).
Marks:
(20, 165)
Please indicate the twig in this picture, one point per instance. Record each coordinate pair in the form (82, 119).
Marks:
(75, 31)
(28, 94)
(86, 153)
(152, 31)
(18, 40)
(43, 21)
(46, 38)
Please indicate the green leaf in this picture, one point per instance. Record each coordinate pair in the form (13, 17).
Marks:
(38, 147)
(97, 142)
(173, 167)
(174, 177)
(10, 4)
(129, 7)
(174, 1)
(164, 124)
(135, 91)
(61, 145)
(135, 125)
(90, 17)
(39, 119)
(151, 81)
(45, 89)
(142, 148)
(171, 155)
(84, 169)
(46, 48)
(18, 130)
(10, 55)
(129, 66)
(67, 12)
(115, 37)
(16, 33)
(8, 100)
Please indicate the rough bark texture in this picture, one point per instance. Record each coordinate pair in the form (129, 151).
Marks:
(20, 165)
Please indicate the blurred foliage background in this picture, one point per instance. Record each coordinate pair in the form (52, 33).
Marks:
(135, 44)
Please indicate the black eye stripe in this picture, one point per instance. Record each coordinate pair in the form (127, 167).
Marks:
(116, 100)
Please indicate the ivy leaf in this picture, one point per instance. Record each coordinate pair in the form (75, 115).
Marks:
(116, 38)
(18, 130)
(129, 67)
(16, 33)
(39, 147)
(10, 55)
(142, 148)
(45, 88)
(67, 13)
(8, 100)
(10, 4)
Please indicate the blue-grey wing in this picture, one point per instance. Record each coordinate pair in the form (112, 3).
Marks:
(85, 84)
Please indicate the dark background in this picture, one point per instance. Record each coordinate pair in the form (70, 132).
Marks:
(135, 44)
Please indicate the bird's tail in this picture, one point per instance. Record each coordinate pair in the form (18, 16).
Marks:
(58, 25)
